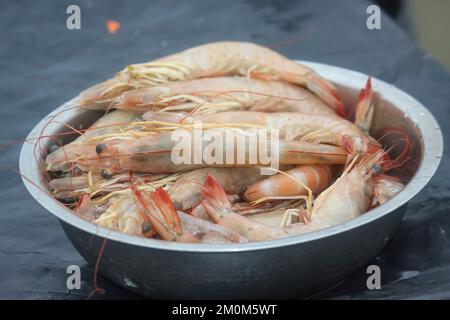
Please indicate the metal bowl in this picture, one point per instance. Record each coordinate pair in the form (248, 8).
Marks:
(292, 267)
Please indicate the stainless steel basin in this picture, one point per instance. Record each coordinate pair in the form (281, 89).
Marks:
(297, 266)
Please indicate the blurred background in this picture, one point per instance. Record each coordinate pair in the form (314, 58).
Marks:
(427, 21)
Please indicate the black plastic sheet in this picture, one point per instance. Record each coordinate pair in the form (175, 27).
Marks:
(43, 64)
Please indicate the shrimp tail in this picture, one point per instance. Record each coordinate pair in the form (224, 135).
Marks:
(171, 228)
(326, 91)
(214, 195)
(215, 200)
(365, 107)
(162, 201)
(152, 212)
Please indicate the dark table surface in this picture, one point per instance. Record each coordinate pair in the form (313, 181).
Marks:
(43, 64)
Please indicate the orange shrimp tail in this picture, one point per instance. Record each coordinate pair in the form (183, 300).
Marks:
(327, 92)
(366, 92)
(165, 205)
(213, 194)
(369, 85)
(364, 107)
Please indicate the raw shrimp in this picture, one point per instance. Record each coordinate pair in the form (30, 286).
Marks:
(309, 128)
(330, 129)
(362, 182)
(291, 183)
(344, 200)
(213, 60)
(123, 215)
(177, 226)
(95, 183)
(222, 94)
(186, 191)
(153, 154)
(219, 208)
(216, 119)
(350, 195)
(109, 123)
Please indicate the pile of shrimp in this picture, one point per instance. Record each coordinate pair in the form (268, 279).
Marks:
(118, 173)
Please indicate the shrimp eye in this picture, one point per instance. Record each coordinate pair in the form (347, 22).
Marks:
(106, 174)
(377, 168)
(76, 171)
(100, 148)
(69, 200)
(146, 227)
(60, 174)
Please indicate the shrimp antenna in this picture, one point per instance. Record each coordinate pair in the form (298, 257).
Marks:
(404, 154)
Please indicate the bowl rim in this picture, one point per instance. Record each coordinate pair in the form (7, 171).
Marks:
(425, 122)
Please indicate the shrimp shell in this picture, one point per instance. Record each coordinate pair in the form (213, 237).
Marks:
(222, 94)
(313, 128)
(154, 155)
(213, 60)
(316, 177)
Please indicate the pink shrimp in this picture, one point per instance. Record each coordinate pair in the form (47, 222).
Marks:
(330, 129)
(167, 223)
(219, 209)
(100, 183)
(344, 200)
(292, 182)
(212, 60)
(153, 154)
(124, 215)
(222, 94)
(350, 195)
(186, 191)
